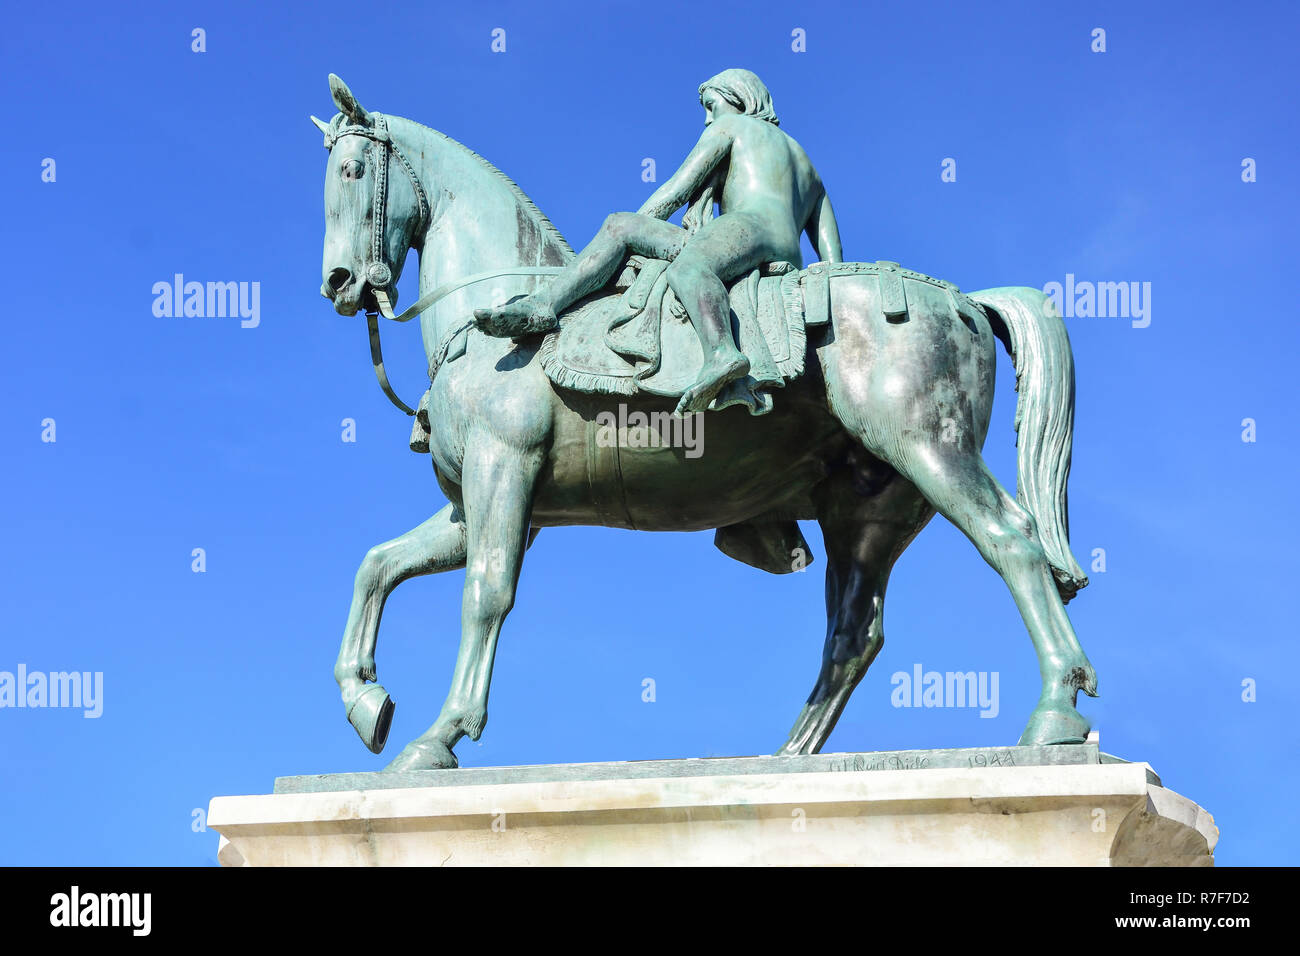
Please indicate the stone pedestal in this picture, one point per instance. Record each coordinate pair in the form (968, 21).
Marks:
(1048, 806)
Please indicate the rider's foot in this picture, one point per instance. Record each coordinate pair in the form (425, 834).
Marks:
(526, 316)
(717, 372)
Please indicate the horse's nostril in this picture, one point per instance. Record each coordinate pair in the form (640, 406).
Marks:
(339, 278)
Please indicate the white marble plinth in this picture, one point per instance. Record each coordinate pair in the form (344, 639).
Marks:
(1083, 814)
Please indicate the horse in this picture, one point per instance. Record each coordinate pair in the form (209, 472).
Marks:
(883, 431)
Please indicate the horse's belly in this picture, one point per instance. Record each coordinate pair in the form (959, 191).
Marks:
(635, 466)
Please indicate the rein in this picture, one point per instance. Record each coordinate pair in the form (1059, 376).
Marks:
(423, 305)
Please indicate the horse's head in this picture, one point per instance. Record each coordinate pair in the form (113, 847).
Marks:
(375, 207)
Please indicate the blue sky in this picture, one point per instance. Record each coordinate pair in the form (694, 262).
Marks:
(174, 434)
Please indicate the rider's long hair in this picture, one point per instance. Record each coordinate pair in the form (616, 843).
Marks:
(747, 93)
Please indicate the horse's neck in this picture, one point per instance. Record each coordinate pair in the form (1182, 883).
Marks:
(480, 222)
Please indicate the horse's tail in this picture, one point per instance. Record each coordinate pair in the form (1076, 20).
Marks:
(1029, 325)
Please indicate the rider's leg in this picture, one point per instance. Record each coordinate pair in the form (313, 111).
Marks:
(595, 265)
(704, 295)
(622, 232)
(725, 248)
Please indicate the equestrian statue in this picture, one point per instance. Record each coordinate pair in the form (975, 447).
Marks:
(855, 394)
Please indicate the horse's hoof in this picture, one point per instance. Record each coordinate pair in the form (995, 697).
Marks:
(1055, 725)
(371, 714)
(424, 755)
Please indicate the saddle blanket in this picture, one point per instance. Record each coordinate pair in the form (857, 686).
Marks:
(643, 342)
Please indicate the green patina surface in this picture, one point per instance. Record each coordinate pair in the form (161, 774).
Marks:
(877, 429)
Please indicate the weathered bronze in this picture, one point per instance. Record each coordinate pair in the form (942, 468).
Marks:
(869, 390)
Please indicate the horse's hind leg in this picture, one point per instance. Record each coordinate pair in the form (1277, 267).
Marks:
(498, 488)
(864, 533)
(961, 488)
(436, 545)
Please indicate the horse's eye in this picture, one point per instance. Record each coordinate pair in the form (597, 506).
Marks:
(352, 169)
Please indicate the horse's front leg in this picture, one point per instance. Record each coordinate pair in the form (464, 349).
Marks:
(498, 490)
(436, 545)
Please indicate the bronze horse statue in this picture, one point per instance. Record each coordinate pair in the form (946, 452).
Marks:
(883, 430)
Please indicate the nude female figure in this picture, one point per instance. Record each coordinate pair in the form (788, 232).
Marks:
(768, 194)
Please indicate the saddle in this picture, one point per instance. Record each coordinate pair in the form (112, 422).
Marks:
(643, 342)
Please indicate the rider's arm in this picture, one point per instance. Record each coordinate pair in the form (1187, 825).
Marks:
(824, 233)
(712, 148)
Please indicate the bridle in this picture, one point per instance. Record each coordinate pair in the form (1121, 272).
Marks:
(378, 273)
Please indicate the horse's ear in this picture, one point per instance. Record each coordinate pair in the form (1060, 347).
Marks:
(347, 103)
(321, 125)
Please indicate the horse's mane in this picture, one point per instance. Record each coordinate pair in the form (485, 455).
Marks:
(521, 197)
